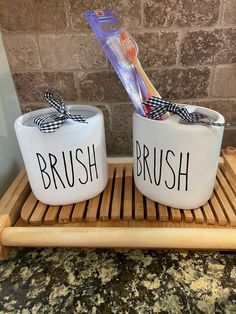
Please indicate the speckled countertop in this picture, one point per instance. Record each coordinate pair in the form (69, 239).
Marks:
(117, 281)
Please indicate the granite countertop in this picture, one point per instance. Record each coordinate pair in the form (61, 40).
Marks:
(117, 281)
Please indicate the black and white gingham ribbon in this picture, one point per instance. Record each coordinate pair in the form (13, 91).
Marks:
(161, 106)
(55, 119)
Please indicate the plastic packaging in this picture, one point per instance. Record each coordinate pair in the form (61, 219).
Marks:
(104, 26)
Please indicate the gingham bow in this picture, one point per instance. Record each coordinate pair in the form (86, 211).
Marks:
(55, 119)
(161, 106)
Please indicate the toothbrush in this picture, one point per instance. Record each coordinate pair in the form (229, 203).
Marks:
(130, 72)
(114, 43)
(131, 51)
(104, 25)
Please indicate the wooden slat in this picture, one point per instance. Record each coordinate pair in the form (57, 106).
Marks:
(12, 190)
(151, 209)
(65, 213)
(78, 212)
(175, 214)
(229, 212)
(92, 209)
(126, 237)
(106, 196)
(4, 222)
(219, 213)
(229, 176)
(163, 212)
(131, 223)
(38, 214)
(187, 215)
(227, 189)
(199, 218)
(51, 215)
(209, 216)
(116, 202)
(11, 203)
(138, 205)
(128, 202)
(230, 160)
(28, 207)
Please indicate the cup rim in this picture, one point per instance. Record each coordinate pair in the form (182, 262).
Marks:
(19, 120)
(203, 110)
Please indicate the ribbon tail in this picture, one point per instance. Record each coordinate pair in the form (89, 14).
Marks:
(77, 118)
(193, 117)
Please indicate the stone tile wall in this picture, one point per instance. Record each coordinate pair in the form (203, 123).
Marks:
(188, 49)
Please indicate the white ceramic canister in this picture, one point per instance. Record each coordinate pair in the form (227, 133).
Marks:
(69, 165)
(175, 163)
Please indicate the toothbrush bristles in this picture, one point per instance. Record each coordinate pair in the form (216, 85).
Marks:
(128, 46)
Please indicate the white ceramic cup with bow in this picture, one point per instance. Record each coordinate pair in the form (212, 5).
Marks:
(68, 165)
(175, 162)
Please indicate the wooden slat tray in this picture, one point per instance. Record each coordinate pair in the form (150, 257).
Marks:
(111, 219)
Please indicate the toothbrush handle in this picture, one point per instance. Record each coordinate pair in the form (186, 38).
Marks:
(145, 78)
(151, 89)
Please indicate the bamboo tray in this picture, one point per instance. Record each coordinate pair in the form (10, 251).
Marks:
(121, 216)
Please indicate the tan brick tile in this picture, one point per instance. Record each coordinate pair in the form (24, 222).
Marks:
(224, 84)
(31, 15)
(31, 86)
(209, 47)
(181, 83)
(229, 138)
(180, 13)
(22, 52)
(128, 12)
(156, 49)
(71, 51)
(229, 15)
(122, 116)
(101, 86)
(119, 143)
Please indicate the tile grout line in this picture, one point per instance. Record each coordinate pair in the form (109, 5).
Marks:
(142, 14)
(138, 31)
(211, 81)
(181, 36)
(221, 12)
(107, 70)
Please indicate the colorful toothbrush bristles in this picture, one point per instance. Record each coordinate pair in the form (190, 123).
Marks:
(128, 46)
